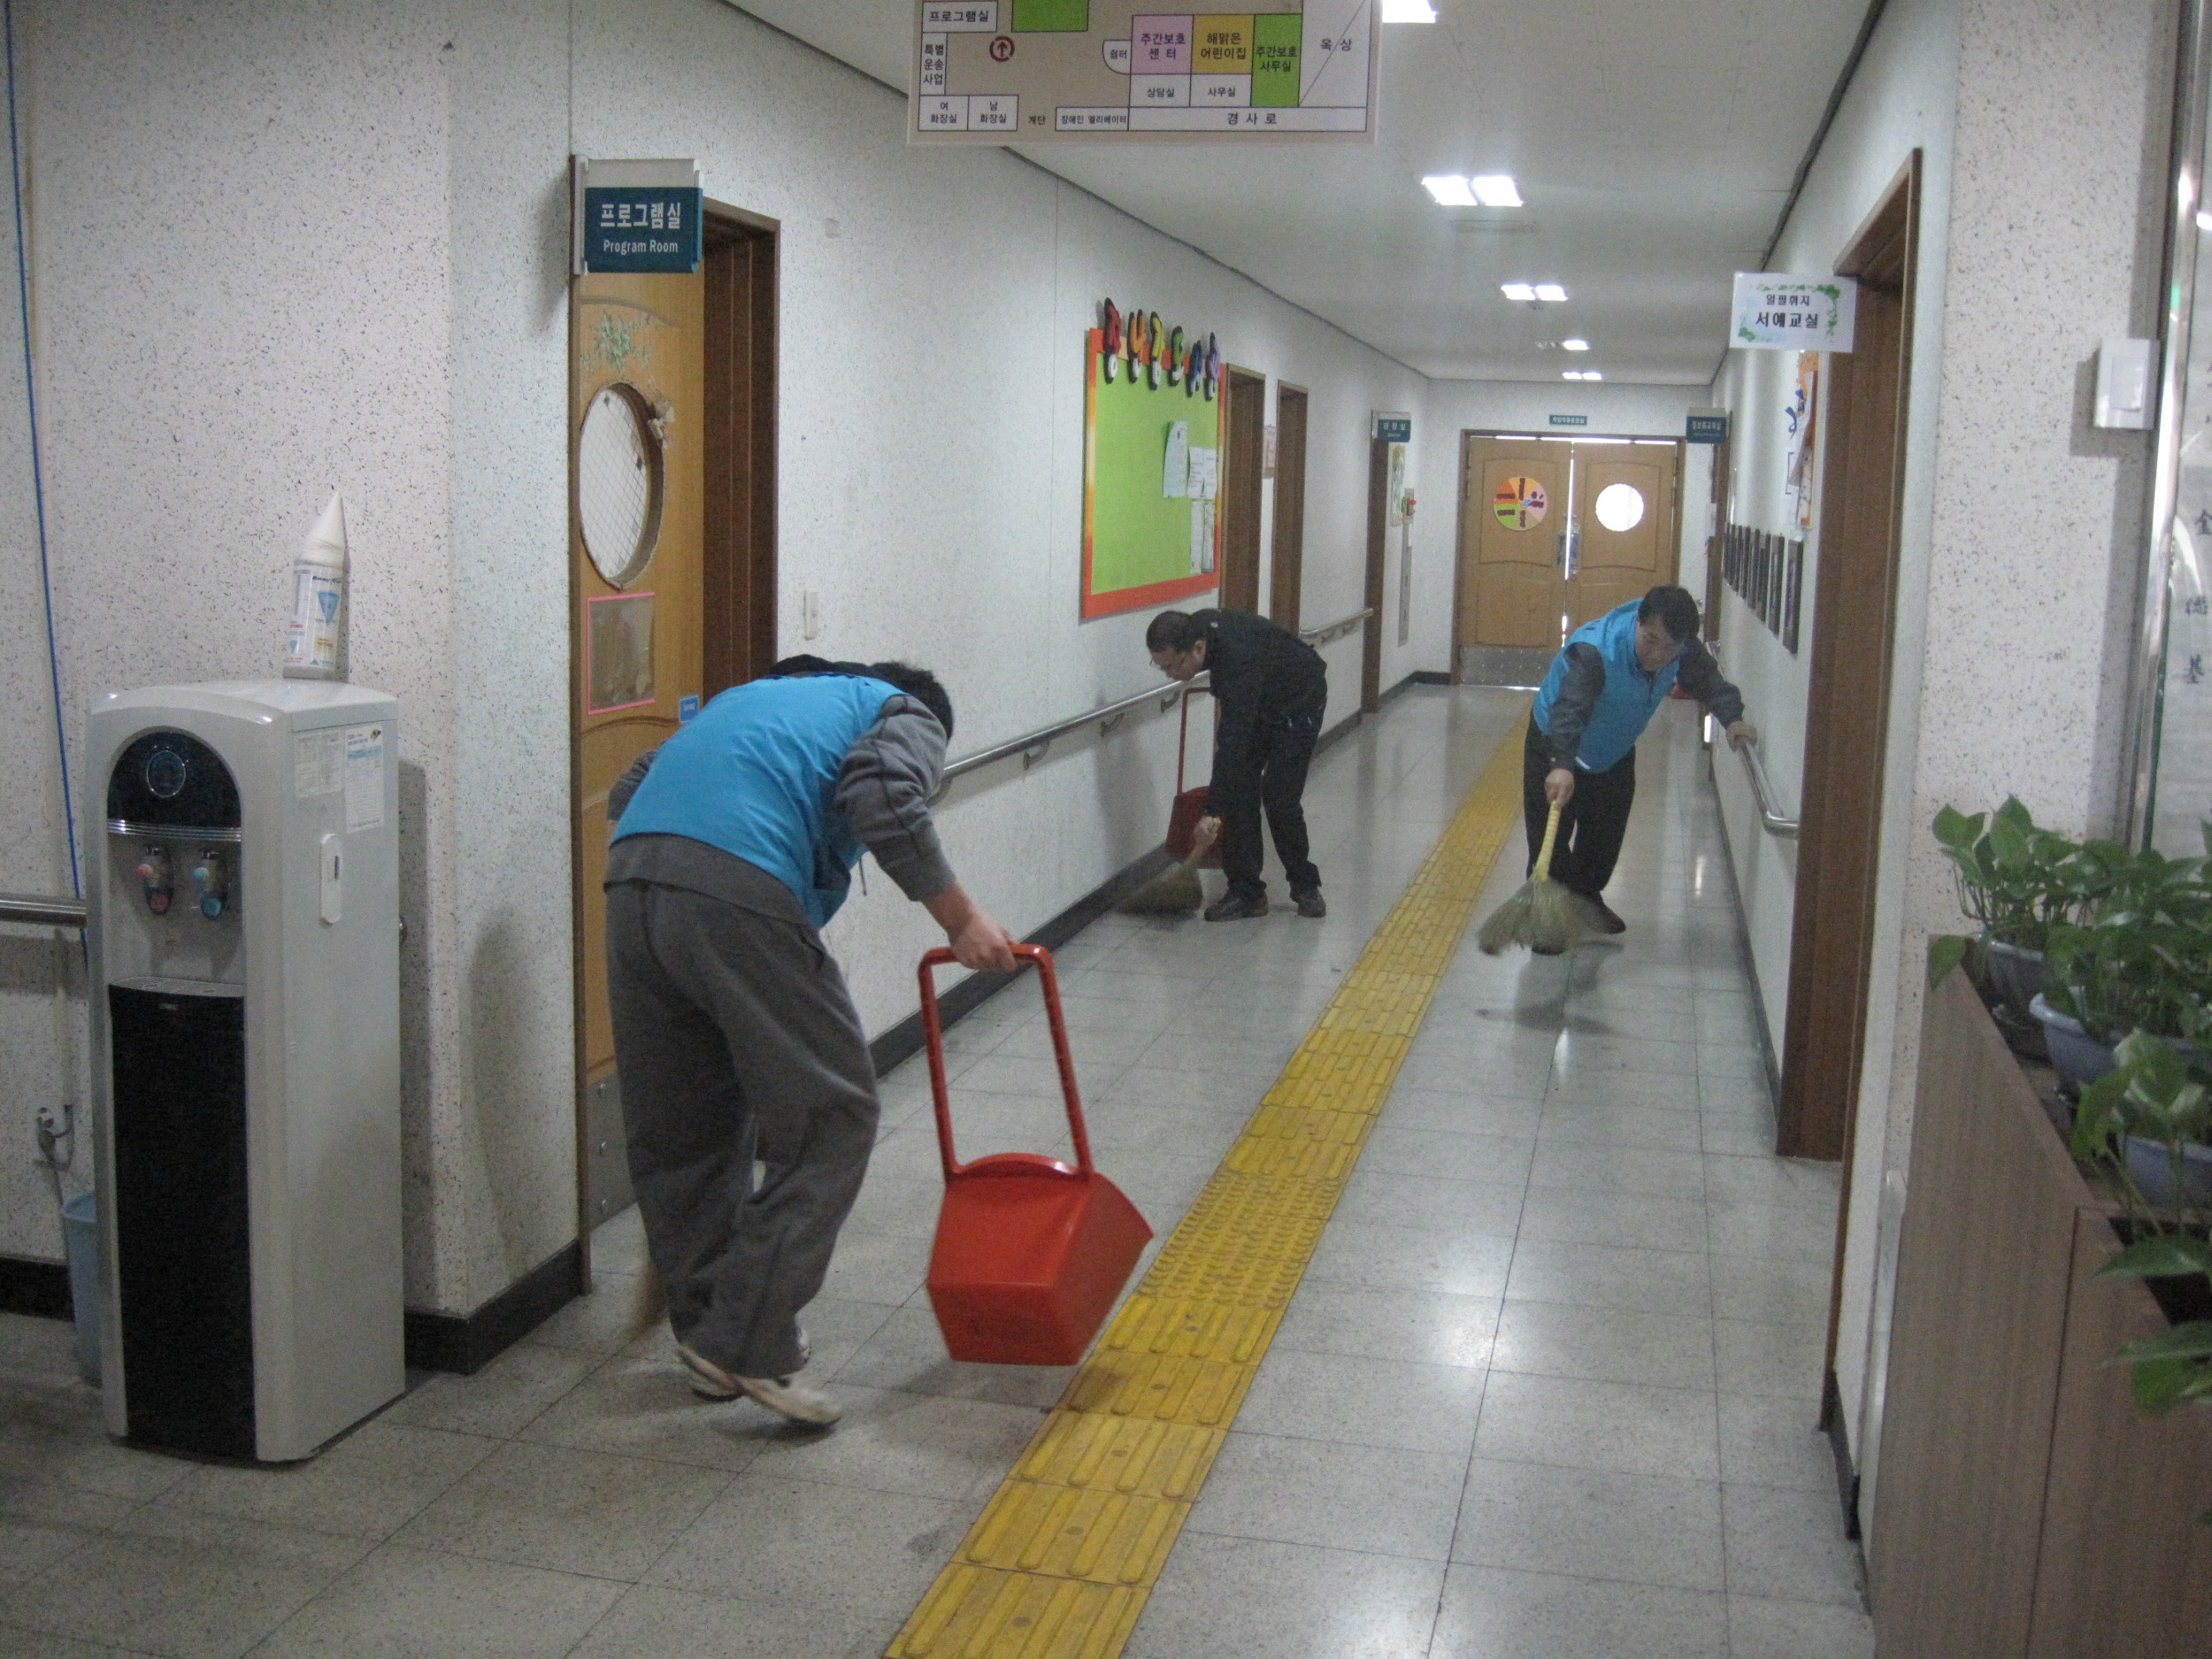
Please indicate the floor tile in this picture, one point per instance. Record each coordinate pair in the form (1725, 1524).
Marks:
(40, 1522)
(1362, 1400)
(921, 1445)
(1784, 1290)
(366, 1485)
(183, 1584)
(640, 1405)
(1759, 1628)
(1596, 1168)
(1769, 1441)
(1460, 1263)
(1785, 1360)
(1769, 1230)
(1362, 1498)
(498, 1401)
(17, 1643)
(1565, 1216)
(650, 1621)
(1630, 1427)
(1547, 1339)
(1591, 1524)
(53, 1432)
(401, 1603)
(907, 1351)
(1427, 1327)
(1598, 1123)
(776, 1539)
(1488, 1613)
(567, 1511)
(1244, 1598)
(1422, 1202)
(1788, 1544)
(1611, 1276)
(1500, 1160)
(620, 1306)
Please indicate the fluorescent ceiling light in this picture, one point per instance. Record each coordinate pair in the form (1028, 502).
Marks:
(1407, 12)
(1574, 345)
(1518, 292)
(1550, 291)
(1450, 190)
(1495, 189)
(1581, 374)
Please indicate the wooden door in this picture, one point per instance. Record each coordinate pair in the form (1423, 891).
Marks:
(1625, 537)
(637, 433)
(740, 574)
(1513, 509)
(1715, 541)
(1287, 561)
(1243, 453)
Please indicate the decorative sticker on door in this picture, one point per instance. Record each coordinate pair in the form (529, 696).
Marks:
(620, 636)
(1520, 503)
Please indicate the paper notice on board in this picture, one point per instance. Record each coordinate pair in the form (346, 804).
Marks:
(365, 778)
(1175, 472)
(1205, 473)
(1201, 537)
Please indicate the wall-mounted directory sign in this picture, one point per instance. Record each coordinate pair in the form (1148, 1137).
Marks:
(1707, 425)
(1393, 427)
(1000, 72)
(641, 217)
(1776, 313)
(1570, 420)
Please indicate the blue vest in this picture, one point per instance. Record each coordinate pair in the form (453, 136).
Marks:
(1631, 696)
(755, 775)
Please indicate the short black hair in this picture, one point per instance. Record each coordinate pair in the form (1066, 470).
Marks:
(918, 683)
(1677, 612)
(922, 686)
(1173, 630)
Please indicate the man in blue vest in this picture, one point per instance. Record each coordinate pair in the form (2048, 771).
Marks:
(1602, 692)
(736, 1039)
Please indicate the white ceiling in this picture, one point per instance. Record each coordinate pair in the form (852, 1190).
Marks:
(1654, 142)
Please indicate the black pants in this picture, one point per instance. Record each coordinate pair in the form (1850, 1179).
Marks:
(1280, 753)
(1590, 826)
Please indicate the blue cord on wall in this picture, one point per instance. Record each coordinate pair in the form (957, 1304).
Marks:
(38, 480)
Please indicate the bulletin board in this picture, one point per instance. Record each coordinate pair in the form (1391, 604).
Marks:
(1142, 546)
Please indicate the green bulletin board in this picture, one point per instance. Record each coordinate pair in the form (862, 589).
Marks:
(1139, 545)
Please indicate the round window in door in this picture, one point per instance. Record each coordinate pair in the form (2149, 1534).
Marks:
(1620, 507)
(619, 484)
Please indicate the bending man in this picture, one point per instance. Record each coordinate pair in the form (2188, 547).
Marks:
(732, 1028)
(1602, 692)
(1271, 687)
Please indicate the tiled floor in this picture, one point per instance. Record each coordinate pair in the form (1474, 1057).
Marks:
(1547, 1389)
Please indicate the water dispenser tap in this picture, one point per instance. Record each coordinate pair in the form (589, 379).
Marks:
(155, 884)
(210, 882)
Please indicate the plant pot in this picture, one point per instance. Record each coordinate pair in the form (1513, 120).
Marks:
(2153, 1173)
(2078, 1058)
(2016, 975)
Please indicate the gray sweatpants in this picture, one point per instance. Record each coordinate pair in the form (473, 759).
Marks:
(736, 1039)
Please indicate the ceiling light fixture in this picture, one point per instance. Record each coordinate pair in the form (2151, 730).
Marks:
(1574, 345)
(1407, 12)
(1495, 189)
(1519, 293)
(1450, 190)
(1550, 292)
(1581, 374)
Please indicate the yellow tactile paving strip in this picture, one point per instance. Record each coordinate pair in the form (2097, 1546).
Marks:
(1060, 1561)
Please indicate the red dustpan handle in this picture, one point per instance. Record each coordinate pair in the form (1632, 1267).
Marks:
(933, 1044)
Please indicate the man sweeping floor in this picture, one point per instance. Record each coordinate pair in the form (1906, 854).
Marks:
(1580, 755)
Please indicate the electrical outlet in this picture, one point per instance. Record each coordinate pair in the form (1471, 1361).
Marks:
(809, 613)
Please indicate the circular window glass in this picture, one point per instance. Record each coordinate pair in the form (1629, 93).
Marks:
(619, 484)
(1620, 507)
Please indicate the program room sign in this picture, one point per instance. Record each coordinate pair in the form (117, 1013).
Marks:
(1033, 72)
(638, 217)
(1779, 313)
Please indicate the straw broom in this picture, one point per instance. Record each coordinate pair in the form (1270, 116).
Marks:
(1543, 915)
(1176, 892)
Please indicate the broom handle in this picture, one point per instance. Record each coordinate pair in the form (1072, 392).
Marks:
(1551, 832)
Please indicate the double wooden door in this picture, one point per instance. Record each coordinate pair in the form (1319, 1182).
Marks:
(1554, 532)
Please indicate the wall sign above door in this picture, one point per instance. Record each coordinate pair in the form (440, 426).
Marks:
(1570, 420)
(638, 217)
(1778, 312)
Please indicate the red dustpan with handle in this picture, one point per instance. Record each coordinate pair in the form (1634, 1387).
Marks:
(1030, 1252)
(1190, 807)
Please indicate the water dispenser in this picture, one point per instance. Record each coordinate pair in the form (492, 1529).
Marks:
(244, 925)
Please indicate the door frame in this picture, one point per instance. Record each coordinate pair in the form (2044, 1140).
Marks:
(1243, 454)
(742, 503)
(1286, 554)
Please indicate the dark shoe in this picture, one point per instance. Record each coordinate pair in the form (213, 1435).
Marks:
(1311, 904)
(1233, 908)
(1606, 919)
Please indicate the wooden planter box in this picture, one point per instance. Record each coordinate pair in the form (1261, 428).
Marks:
(2024, 1508)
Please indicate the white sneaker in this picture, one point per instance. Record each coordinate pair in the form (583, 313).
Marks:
(787, 1397)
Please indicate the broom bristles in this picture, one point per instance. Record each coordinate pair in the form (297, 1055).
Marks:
(1544, 914)
(1176, 892)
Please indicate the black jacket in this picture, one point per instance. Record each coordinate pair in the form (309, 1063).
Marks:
(1264, 676)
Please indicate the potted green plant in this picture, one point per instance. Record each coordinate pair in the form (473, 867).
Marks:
(2019, 881)
(2146, 1121)
(2143, 964)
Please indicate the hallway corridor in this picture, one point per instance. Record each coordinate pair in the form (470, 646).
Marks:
(1547, 1389)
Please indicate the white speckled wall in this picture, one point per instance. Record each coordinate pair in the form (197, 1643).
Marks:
(285, 247)
(2044, 133)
